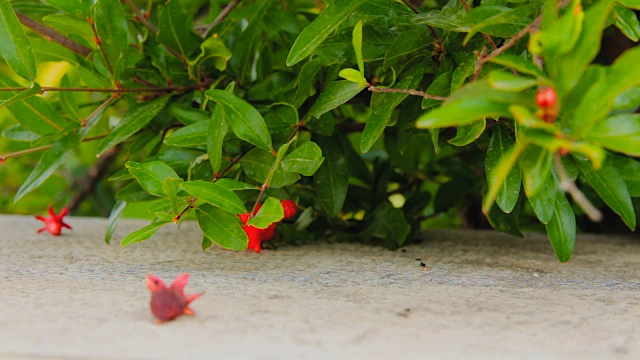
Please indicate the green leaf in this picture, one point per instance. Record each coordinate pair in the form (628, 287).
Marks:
(441, 86)
(562, 228)
(628, 100)
(68, 99)
(175, 29)
(467, 134)
(53, 158)
(315, 33)
(543, 200)
(598, 101)
(332, 178)
(17, 132)
(206, 243)
(151, 175)
(257, 165)
(519, 64)
(114, 217)
(462, 112)
(215, 141)
(535, 164)
(212, 51)
(216, 195)
(629, 170)
(171, 186)
(270, 212)
(389, 224)
(627, 21)
(187, 115)
(133, 120)
(357, 46)
(406, 43)
(112, 28)
(505, 23)
(144, 233)
(15, 47)
(31, 91)
(221, 227)
(383, 105)
(507, 223)
(234, 185)
(502, 80)
(503, 175)
(305, 159)
(353, 75)
(334, 95)
(611, 188)
(245, 121)
(193, 135)
(619, 133)
(245, 48)
(74, 7)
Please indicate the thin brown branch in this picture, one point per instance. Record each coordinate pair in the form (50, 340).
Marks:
(166, 89)
(99, 109)
(509, 43)
(480, 62)
(406, 91)
(223, 15)
(141, 17)
(99, 43)
(567, 185)
(6, 157)
(93, 176)
(52, 35)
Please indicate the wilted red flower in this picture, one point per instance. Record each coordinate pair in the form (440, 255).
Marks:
(54, 223)
(169, 303)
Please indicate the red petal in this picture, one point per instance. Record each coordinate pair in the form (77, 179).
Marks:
(64, 212)
(41, 230)
(188, 311)
(65, 225)
(41, 218)
(51, 212)
(180, 282)
(154, 283)
(192, 297)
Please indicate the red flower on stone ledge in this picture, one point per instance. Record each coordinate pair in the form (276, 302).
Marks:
(167, 303)
(54, 223)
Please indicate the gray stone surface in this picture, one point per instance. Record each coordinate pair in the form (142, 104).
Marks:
(482, 295)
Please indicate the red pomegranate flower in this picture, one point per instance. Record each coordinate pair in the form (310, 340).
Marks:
(289, 208)
(54, 223)
(169, 303)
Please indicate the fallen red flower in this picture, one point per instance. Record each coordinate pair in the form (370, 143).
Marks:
(54, 223)
(169, 303)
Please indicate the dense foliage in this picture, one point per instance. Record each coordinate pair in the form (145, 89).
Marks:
(377, 117)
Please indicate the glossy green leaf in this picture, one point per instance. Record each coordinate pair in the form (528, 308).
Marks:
(628, 100)
(18, 132)
(234, 185)
(187, 115)
(212, 51)
(629, 170)
(24, 94)
(503, 175)
(15, 47)
(257, 165)
(543, 200)
(74, 7)
(175, 29)
(620, 133)
(518, 63)
(406, 43)
(449, 18)
(611, 188)
(216, 195)
(151, 175)
(502, 80)
(462, 112)
(55, 156)
(389, 224)
(305, 159)
(206, 243)
(632, 4)
(270, 212)
(245, 121)
(505, 22)
(133, 120)
(215, 141)
(353, 75)
(111, 25)
(171, 186)
(221, 227)
(315, 33)
(114, 217)
(506, 223)
(144, 233)
(190, 136)
(627, 21)
(562, 228)
(383, 105)
(441, 86)
(68, 100)
(357, 46)
(334, 95)
(598, 101)
(466, 134)
(245, 49)
(332, 178)
(535, 164)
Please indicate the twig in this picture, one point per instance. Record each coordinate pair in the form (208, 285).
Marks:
(406, 91)
(141, 17)
(6, 157)
(95, 173)
(567, 185)
(52, 35)
(99, 43)
(223, 15)
(112, 90)
(535, 23)
(480, 62)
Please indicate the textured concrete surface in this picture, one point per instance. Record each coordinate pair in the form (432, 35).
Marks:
(480, 295)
